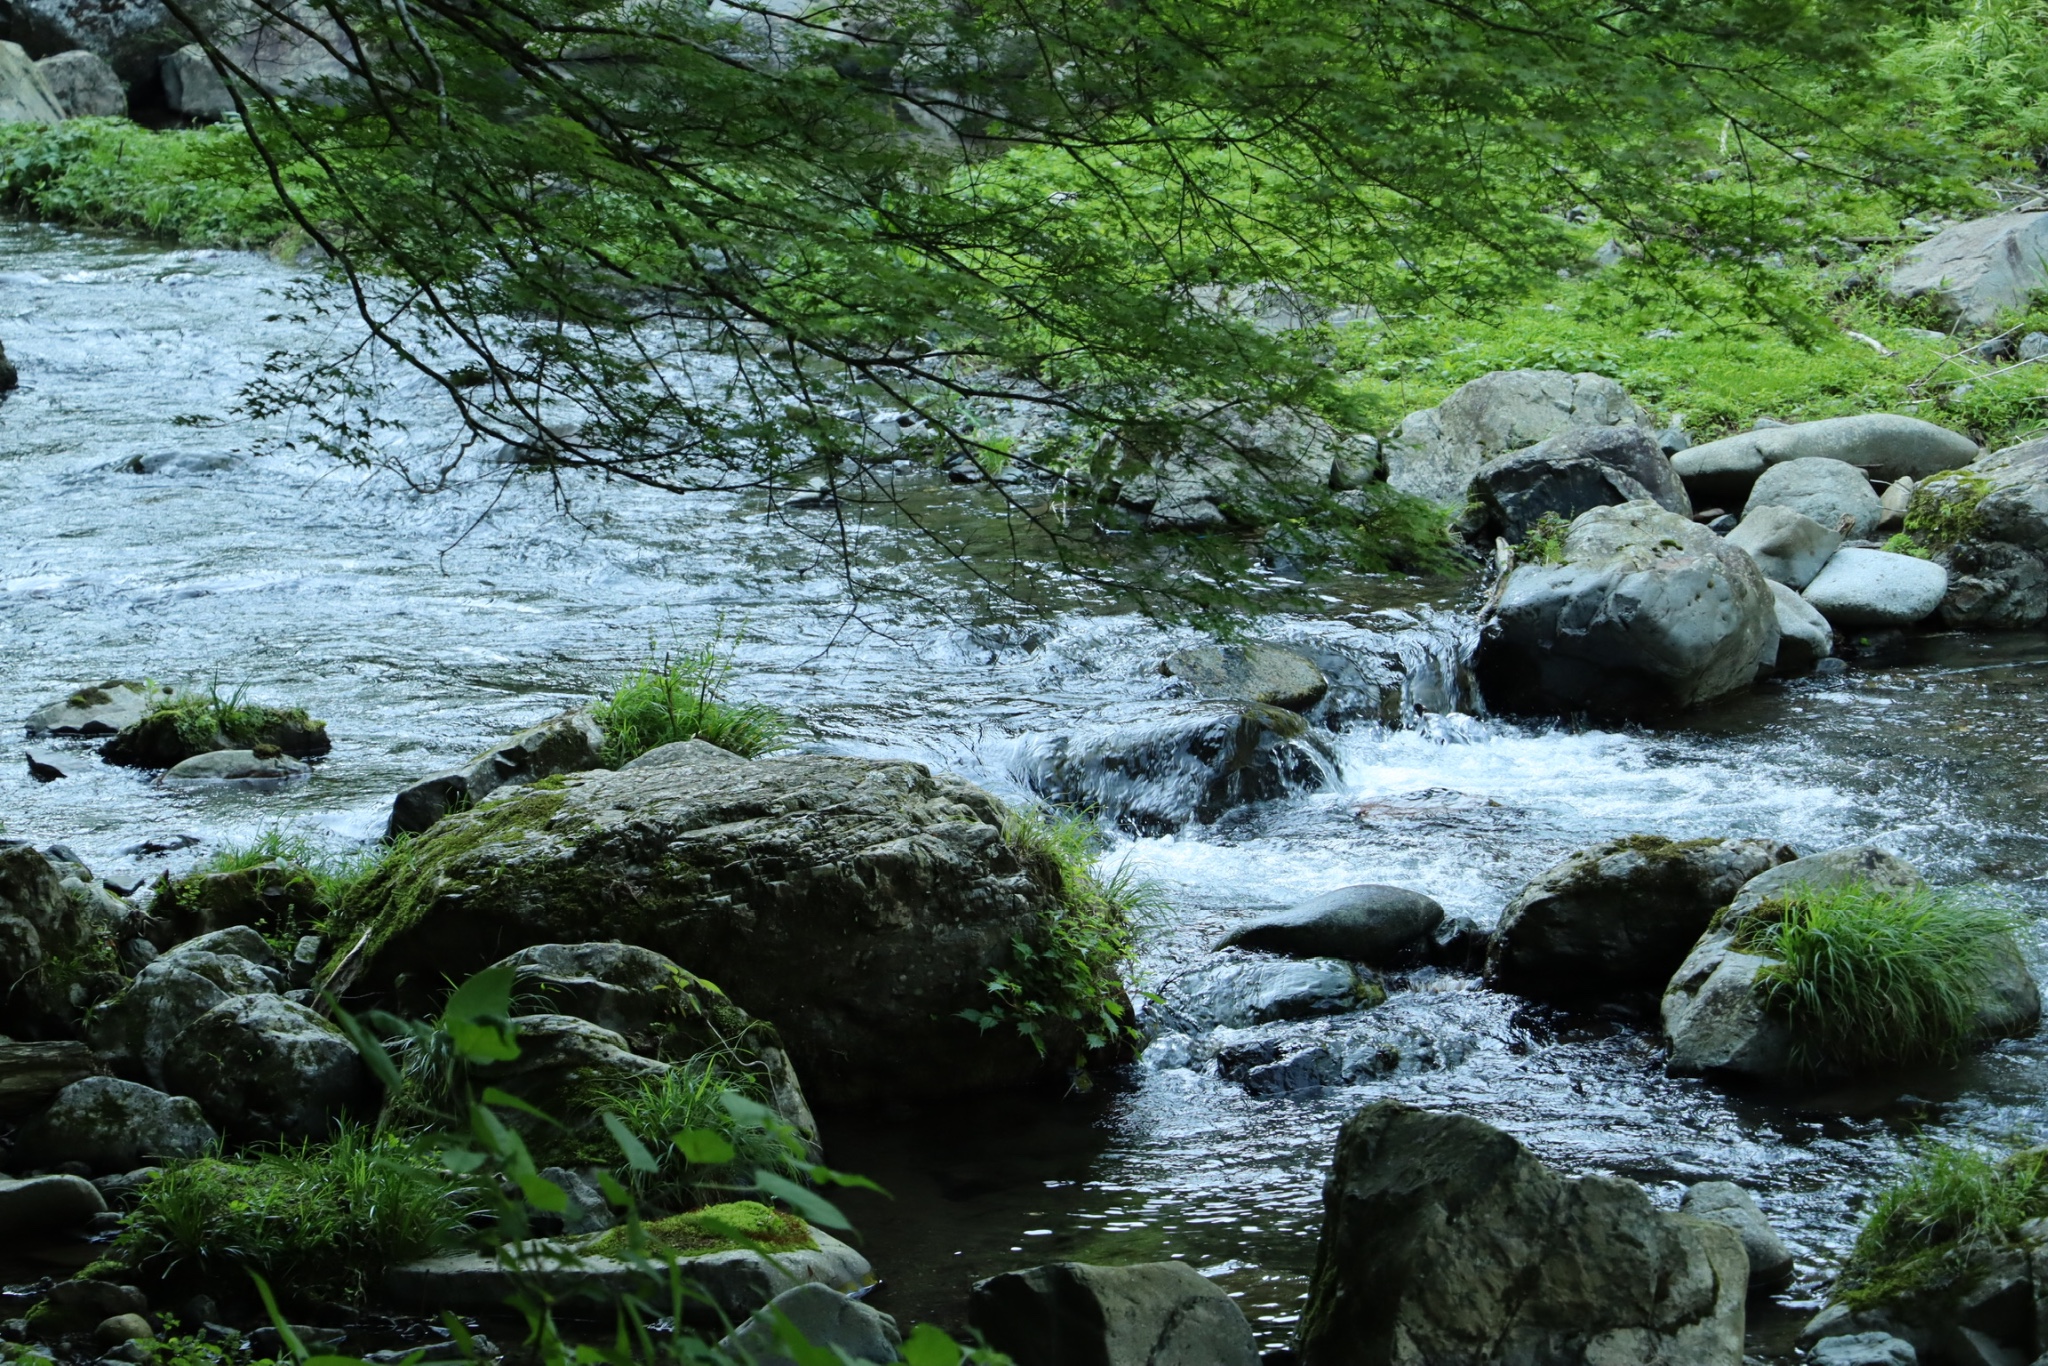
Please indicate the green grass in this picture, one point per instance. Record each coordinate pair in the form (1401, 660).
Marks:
(715, 1228)
(1944, 509)
(682, 697)
(200, 187)
(315, 1220)
(691, 1098)
(1075, 973)
(334, 872)
(1870, 978)
(1925, 1232)
(199, 717)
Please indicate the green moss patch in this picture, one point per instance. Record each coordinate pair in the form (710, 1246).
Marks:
(1928, 1236)
(716, 1228)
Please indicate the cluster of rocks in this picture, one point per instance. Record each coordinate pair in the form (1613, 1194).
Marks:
(74, 84)
(144, 727)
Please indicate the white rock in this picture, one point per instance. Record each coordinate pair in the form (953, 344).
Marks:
(1877, 588)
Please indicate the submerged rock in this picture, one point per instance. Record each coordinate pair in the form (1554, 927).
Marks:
(1435, 453)
(241, 767)
(1724, 1202)
(1578, 469)
(1073, 1314)
(1370, 924)
(1271, 675)
(827, 1320)
(1154, 771)
(858, 905)
(1648, 613)
(100, 709)
(1615, 921)
(1445, 1240)
(1863, 1349)
(569, 743)
(116, 1126)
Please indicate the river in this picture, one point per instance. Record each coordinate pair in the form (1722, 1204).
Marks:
(423, 626)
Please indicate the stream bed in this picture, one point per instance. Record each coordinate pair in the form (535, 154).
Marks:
(424, 626)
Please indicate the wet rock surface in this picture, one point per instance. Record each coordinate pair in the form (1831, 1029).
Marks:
(569, 743)
(1072, 1314)
(1380, 926)
(1578, 469)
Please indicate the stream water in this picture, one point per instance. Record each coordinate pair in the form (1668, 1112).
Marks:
(424, 626)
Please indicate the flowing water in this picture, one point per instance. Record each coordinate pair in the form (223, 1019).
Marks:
(422, 626)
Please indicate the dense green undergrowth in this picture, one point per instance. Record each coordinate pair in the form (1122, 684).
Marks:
(1925, 1233)
(1871, 977)
(677, 696)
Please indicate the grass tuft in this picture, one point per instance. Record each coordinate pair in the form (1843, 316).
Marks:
(321, 1220)
(682, 697)
(334, 872)
(1925, 1235)
(1871, 977)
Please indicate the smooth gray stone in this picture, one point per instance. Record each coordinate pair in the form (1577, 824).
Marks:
(1975, 270)
(1863, 1349)
(43, 1205)
(1236, 995)
(1251, 672)
(99, 709)
(1724, 1202)
(1804, 636)
(1789, 547)
(1877, 588)
(240, 766)
(1369, 923)
(25, 94)
(825, 1319)
(1834, 494)
(1074, 1314)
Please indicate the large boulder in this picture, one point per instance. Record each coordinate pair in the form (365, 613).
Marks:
(167, 736)
(1154, 770)
(1197, 470)
(1974, 271)
(1373, 924)
(265, 1067)
(99, 709)
(858, 905)
(25, 94)
(1435, 453)
(44, 1205)
(1993, 586)
(1445, 1240)
(569, 743)
(1789, 547)
(1578, 469)
(42, 928)
(1995, 516)
(31, 1074)
(1885, 446)
(134, 1031)
(192, 86)
(825, 1320)
(1648, 612)
(1073, 1314)
(1863, 587)
(116, 1126)
(130, 35)
(1836, 495)
(85, 86)
(1614, 921)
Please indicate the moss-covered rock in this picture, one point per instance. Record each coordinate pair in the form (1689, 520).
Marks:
(857, 905)
(187, 727)
(275, 898)
(716, 1228)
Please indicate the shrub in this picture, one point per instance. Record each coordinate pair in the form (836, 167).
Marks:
(1545, 542)
(1089, 936)
(1925, 1232)
(682, 697)
(199, 717)
(324, 1220)
(1869, 977)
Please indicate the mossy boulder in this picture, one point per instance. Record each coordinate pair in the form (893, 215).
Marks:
(273, 897)
(186, 729)
(716, 1228)
(857, 905)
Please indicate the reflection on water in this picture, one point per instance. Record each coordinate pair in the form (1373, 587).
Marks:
(422, 627)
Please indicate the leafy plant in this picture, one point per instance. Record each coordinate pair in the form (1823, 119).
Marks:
(1869, 977)
(1545, 542)
(1954, 1204)
(1903, 543)
(1944, 509)
(682, 697)
(326, 1219)
(1088, 938)
(334, 872)
(199, 718)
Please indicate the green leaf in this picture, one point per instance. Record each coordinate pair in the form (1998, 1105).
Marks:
(747, 1110)
(929, 1345)
(543, 1194)
(812, 1206)
(705, 1147)
(825, 1176)
(637, 1156)
(478, 1019)
(493, 1096)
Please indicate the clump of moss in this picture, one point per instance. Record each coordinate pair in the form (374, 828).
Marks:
(1927, 1235)
(715, 1228)
(683, 697)
(1870, 977)
(1944, 509)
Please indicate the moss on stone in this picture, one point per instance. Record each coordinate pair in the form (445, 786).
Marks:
(729, 1227)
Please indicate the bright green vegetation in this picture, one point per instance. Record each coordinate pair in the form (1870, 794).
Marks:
(334, 872)
(1925, 1233)
(1944, 509)
(1870, 977)
(692, 1098)
(203, 719)
(200, 187)
(1545, 542)
(682, 697)
(315, 1220)
(1075, 973)
(715, 1228)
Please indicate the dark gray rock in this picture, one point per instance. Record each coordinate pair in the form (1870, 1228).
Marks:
(41, 924)
(1154, 771)
(569, 743)
(1993, 586)
(1382, 926)
(1204, 469)
(1073, 1314)
(1578, 469)
(826, 1321)
(795, 882)
(40, 1206)
(100, 709)
(1975, 270)
(130, 35)
(31, 1074)
(241, 767)
(266, 1067)
(1789, 547)
(1863, 1349)
(1235, 995)
(1834, 494)
(1269, 674)
(589, 1211)
(1444, 1240)
(1614, 921)
(85, 87)
(1804, 636)
(1648, 613)
(1863, 587)
(116, 1126)
(1435, 453)
(1724, 1202)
